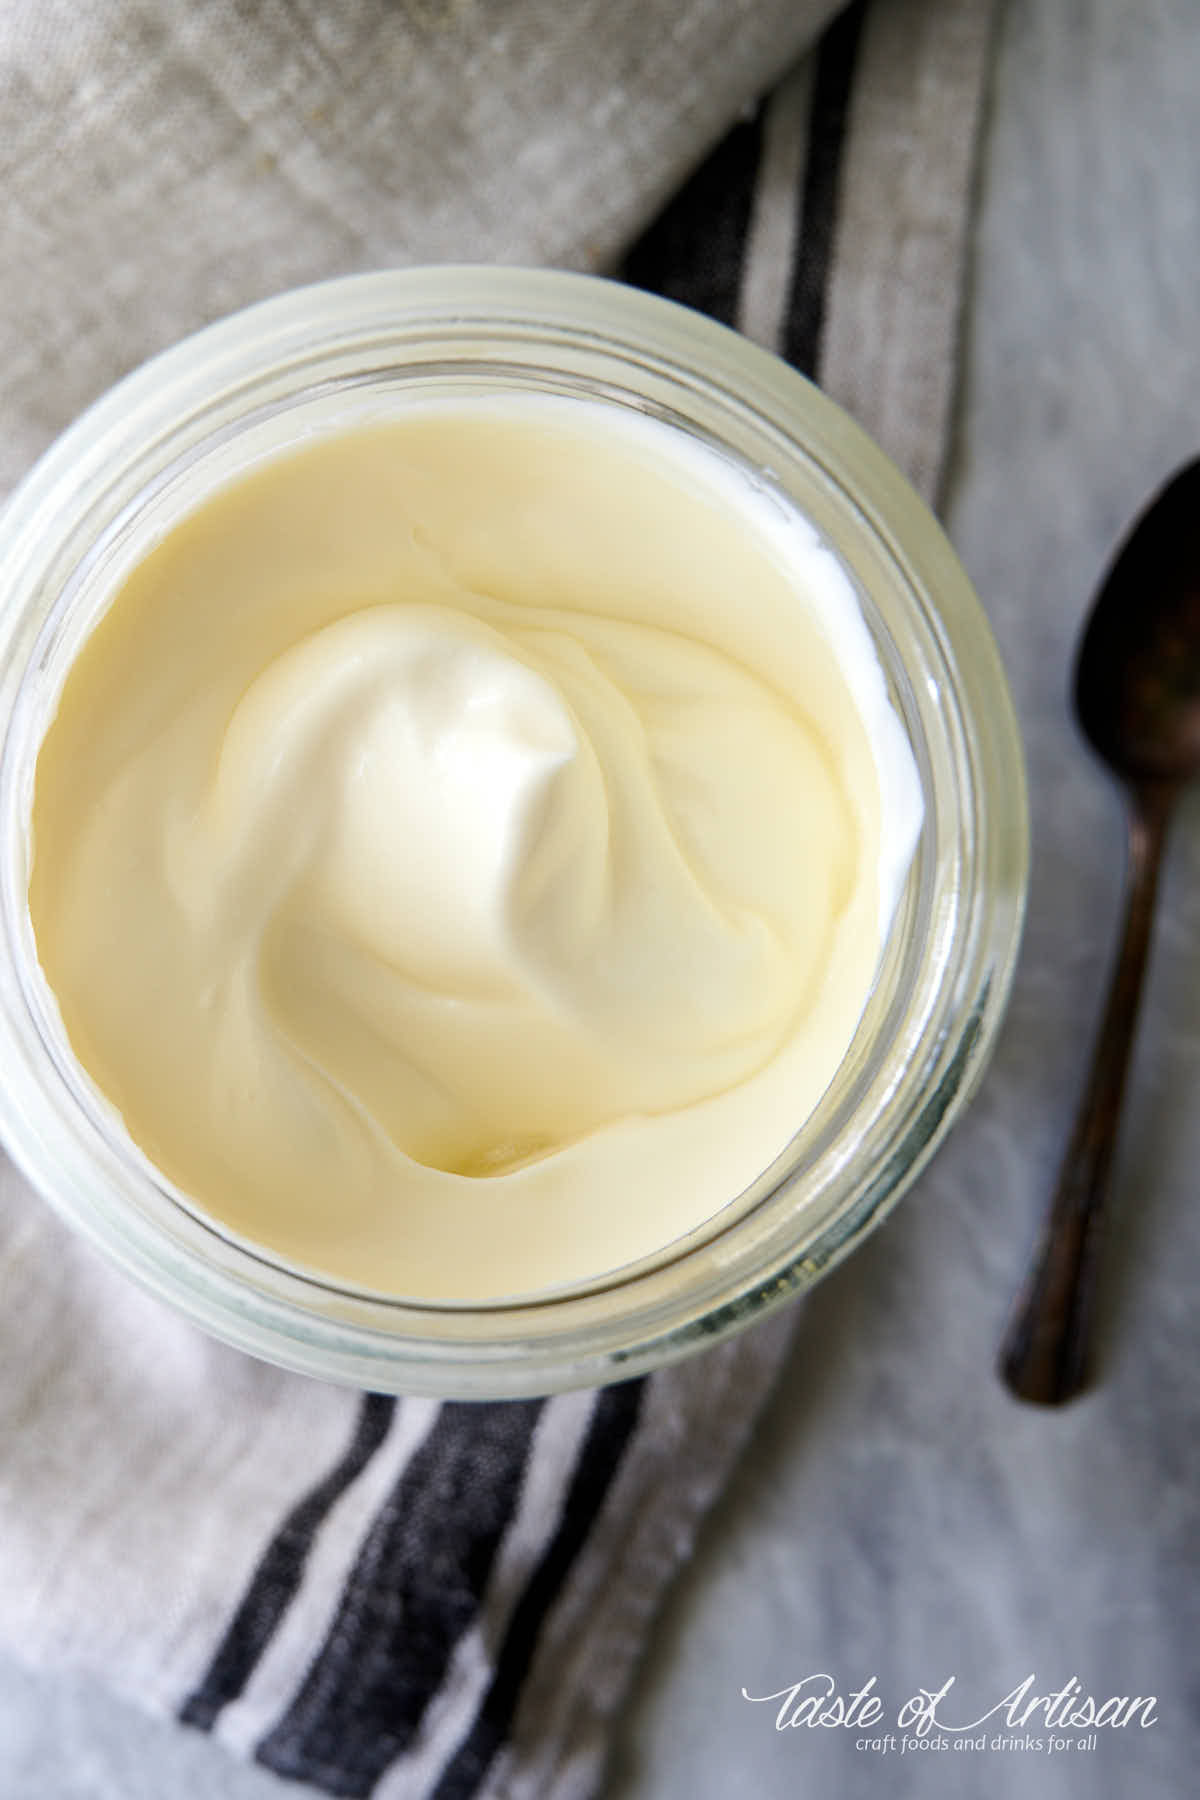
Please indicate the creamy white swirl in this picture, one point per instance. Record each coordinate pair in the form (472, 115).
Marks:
(464, 846)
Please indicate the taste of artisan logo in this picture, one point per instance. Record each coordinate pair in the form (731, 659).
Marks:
(1064, 1719)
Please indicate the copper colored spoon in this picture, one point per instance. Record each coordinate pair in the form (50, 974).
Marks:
(1137, 697)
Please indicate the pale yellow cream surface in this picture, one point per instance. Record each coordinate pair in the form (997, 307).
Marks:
(463, 848)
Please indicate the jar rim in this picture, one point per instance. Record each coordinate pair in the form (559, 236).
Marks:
(884, 1115)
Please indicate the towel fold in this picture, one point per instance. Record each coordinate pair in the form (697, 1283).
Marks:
(394, 1597)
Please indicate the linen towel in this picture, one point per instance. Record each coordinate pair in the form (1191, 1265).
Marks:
(395, 1597)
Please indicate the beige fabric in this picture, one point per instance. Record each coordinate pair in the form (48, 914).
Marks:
(890, 351)
(165, 163)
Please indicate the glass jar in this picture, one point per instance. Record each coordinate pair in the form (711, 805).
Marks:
(335, 355)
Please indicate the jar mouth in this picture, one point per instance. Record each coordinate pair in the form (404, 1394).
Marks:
(333, 356)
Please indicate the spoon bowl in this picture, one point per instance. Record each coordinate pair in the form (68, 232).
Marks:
(1137, 674)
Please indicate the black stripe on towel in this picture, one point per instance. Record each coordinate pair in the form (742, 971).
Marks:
(693, 250)
(414, 1590)
(281, 1570)
(836, 58)
(612, 1426)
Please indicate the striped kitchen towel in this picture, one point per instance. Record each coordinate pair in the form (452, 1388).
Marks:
(402, 1598)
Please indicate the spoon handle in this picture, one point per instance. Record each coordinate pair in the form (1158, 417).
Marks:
(1044, 1354)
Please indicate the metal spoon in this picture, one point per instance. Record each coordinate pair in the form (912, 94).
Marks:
(1137, 697)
